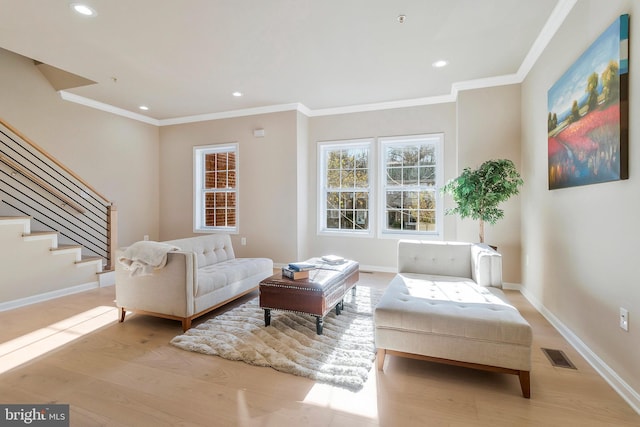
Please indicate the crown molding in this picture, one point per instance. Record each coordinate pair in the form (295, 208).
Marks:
(107, 107)
(235, 113)
(505, 80)
(383, 105)
(557, 17)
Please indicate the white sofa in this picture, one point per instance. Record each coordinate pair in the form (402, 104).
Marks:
(202, 275)
(445, 305)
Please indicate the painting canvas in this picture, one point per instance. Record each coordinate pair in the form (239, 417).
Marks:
(588, 109)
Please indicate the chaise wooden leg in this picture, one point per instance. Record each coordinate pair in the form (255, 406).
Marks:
(380, 356)
(123, 312)
(525, 383)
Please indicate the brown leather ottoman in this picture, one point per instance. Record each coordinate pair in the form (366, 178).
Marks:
(318, 295)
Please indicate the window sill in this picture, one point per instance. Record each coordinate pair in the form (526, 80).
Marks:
(216, 230)
(413, 236)
(359, 234)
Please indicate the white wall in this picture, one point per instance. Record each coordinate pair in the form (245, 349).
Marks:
(304, 213)
(489, 128)
(268, 179)
(580, 244)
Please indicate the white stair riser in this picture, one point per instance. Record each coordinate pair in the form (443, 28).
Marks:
(34, 264)
(75, 251)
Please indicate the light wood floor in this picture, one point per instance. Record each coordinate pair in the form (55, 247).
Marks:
(72, 350)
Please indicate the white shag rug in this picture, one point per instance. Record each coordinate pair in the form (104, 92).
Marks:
(341, 356)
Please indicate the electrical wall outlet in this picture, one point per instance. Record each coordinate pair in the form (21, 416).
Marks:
(243, 241)
(146, 237)
(624, 319)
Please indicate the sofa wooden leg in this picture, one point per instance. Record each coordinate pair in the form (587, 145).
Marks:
(186, 324)
(525, 383)
(380, 356)
(123, 312)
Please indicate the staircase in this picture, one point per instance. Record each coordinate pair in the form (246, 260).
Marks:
(35, 267)
(57, 233)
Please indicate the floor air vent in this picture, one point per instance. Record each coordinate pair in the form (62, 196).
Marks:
(558, 358)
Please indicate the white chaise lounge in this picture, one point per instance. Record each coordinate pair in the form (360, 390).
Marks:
(445, 305)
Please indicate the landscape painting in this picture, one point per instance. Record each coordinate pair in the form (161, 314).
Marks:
(588, 108)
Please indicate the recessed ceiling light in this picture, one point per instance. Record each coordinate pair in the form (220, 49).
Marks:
(439, 64)
(236, 93)
(143, 107)
(83, 9)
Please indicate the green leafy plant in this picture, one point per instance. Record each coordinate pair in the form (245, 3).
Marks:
(478, 192)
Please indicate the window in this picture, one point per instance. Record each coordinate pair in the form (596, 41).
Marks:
(410, 183)
(345, 198)
(216, 188)
(407, 192)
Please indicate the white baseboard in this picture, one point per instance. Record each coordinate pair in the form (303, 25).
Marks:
(631, 396)
(512, 286)
(377, 269)
(21, 302)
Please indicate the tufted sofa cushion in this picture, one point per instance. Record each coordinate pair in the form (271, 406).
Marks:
(461, 259)
(216, 276)
(443, 258)
(451, 307)
(208, 250)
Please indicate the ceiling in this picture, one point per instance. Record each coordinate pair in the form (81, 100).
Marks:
(186, 58)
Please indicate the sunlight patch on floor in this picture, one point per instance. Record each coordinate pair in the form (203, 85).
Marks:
(34, 344)
(363, 403)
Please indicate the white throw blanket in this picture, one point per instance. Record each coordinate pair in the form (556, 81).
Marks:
(143, 257)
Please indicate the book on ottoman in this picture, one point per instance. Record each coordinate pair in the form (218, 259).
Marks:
(294, 275)
(301, 266)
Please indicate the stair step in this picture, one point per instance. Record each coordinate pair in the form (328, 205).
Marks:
(65, 247)
(25, 221)
(68, 249)
(39, 235)
(91, 260)
(55, 248)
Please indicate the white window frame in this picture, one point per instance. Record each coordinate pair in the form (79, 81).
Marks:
(199, 153)
(326, 146)
(383, 232)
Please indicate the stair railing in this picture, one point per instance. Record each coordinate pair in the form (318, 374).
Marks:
(35, 184)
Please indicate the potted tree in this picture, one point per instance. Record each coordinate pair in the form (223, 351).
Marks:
(478, 192)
